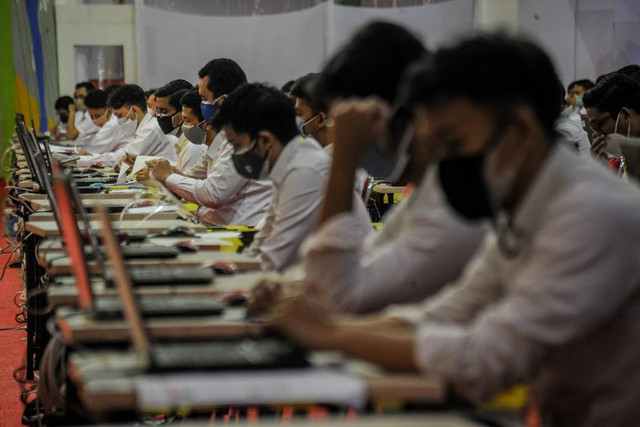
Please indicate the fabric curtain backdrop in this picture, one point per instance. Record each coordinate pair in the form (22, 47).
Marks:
(175, 42)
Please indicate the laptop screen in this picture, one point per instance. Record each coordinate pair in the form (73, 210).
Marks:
(73, 242)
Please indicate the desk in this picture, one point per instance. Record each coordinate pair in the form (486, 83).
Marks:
(81, 328)
(165, 216)
(106, 381)
(153, 226)
(57, 265)
(112, 204)
(64, 292)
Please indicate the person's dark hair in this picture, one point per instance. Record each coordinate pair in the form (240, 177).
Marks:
(87, 85)
(302, 89)
(128, 94)
(629, 69)
(63, 103)
(585, 83)
(192, 100)
(171, 87)
(96, 98)
(612, 93)
(174, 99)
(225, 75)
(488, 70)
(256, 107)
(286, 88)
(562, 93)
(148, 93)
(371, 63)
(635, 76)
(110, 89)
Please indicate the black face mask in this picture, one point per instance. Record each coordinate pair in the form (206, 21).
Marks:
(463, 185)
(166, 124)
(64, 119)
(250, 165)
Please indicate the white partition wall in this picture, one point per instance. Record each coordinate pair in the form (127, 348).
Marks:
(274, 48)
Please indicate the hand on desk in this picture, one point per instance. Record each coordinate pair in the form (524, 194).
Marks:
(161, 169)
(306, 318)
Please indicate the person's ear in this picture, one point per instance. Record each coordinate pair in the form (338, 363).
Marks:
(266, 140)
(322, 119)
(625, 115)
(222, 99)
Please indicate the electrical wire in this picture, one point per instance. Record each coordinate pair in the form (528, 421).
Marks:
(52, 384)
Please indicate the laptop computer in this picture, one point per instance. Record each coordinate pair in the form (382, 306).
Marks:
(236, 353)
(110, 307)
(140, 276)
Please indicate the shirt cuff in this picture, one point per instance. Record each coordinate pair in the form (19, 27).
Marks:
(342, 232)
(173, 180)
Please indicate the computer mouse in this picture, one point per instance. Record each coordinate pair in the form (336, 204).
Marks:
(179, 230)
(224, 268)
(185, 246)
(235, 299)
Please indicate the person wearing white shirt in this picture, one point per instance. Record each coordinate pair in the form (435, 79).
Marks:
(423, 245)
(129, 106)
(168, 111)
(80, 127)
(224, 196)
(259, 122)
(314, 123)
(569, 125)
(109, 138)
(553, 297)
(62, 110)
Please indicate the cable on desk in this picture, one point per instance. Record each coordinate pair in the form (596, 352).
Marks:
(52, 384)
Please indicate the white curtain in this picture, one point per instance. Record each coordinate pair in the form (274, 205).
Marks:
(274, 48)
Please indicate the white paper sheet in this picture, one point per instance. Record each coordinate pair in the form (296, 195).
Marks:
(122, 176)
(251, 388)
(141, 162)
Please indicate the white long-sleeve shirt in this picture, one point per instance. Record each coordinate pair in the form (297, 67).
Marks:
(563, 315)
(569, 127)
(225, 197)
(423, 246)
(108, 139)
(188, 154)
(299, 178)
(148, 140)
(85, 126)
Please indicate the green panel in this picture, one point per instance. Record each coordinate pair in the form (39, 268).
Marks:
(7, 76)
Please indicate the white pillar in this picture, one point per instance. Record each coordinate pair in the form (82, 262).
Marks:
(492, 15)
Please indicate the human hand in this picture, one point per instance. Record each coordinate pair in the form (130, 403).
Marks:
(358, 124)
(72, 109)
(161, 169)
(306, 318)
(55, 132)
(143, 175)
(599, 145)
(129, 159)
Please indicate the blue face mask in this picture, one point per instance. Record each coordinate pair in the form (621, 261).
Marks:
(209, 109)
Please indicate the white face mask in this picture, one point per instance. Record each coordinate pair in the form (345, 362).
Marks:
(128, 127)
(302, 124)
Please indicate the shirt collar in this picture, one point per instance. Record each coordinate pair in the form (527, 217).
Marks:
(216, 143)
(281, 167)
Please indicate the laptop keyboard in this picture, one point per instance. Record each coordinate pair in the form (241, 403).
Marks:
(244, 353)
(175, 306)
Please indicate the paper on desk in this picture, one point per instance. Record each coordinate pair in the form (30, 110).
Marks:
(141, 162)
(251, 388)
(122, 176)
(152, 209)
(219, 235)
(60, 149)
